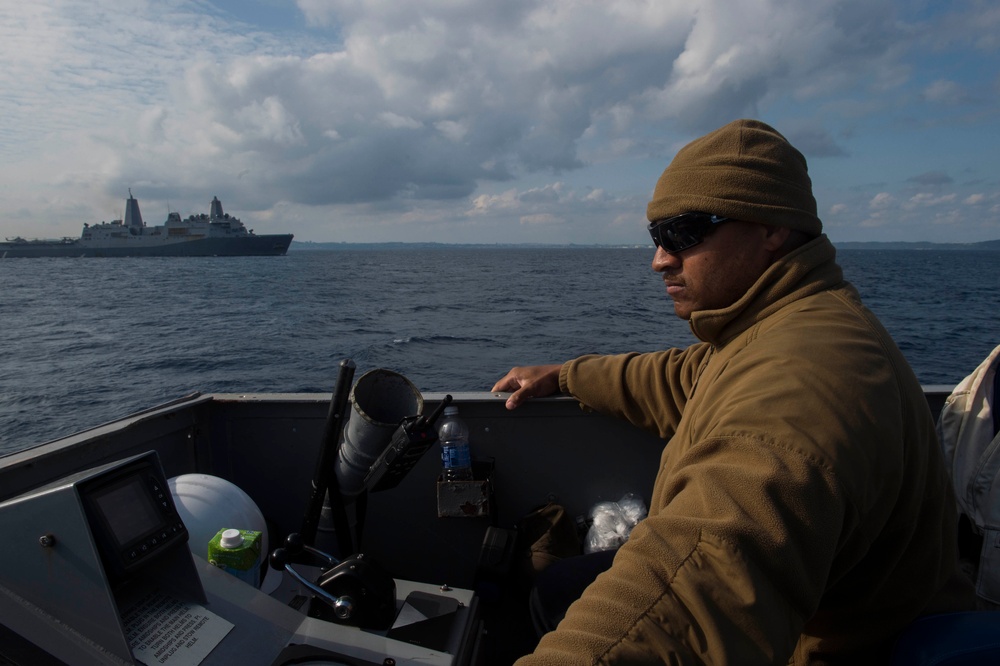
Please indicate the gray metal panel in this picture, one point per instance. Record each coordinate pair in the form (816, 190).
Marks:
(57, 597)
(56, 593)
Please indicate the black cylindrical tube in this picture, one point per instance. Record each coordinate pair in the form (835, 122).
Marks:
(323, 476)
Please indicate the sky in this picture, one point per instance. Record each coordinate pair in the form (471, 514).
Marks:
(486, 121)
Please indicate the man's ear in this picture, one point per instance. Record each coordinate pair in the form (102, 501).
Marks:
(775, 238)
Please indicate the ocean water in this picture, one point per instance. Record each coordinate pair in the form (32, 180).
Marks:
(86, 341)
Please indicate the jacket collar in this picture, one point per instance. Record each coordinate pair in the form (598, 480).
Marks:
(803, 272)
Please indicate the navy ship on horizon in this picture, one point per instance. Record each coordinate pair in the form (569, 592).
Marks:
(216, 234)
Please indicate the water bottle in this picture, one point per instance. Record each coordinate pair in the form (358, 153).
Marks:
(456, 457)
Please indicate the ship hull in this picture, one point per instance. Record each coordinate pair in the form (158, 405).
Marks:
(248, 246)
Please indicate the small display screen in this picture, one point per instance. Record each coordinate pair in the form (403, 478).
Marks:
(129, 510)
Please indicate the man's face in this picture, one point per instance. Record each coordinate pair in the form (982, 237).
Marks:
(717, 272)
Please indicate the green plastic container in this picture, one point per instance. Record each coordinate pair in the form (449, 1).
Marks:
(238, 552)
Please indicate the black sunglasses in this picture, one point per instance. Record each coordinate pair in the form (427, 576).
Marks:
(678, 233)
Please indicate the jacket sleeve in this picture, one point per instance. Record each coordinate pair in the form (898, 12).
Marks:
(649, 390)
(747, 522)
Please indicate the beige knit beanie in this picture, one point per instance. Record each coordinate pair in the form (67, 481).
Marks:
(744, 170)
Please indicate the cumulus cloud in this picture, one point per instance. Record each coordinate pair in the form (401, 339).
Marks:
(426, 101)
(882, 200)
(926, 199)
(546, 194)
(485, 203)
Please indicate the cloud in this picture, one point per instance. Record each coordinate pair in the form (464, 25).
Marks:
(882, 200)
(546, 194)
(428, 101)
(527, 81)
(485, 203)
(926, 199)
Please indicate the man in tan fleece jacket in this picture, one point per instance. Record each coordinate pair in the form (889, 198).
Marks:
(801, 513)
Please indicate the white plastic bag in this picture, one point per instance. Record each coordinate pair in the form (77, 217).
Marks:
(613, 522)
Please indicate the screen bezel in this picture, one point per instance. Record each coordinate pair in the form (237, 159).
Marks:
(116, 529)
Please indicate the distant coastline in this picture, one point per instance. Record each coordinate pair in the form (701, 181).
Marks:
(989, 246)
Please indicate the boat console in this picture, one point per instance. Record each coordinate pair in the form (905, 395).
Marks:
(97, 570)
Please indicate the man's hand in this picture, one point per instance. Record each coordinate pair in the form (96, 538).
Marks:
(532, 381)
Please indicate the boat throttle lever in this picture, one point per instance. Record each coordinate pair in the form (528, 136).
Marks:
(355, 591)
